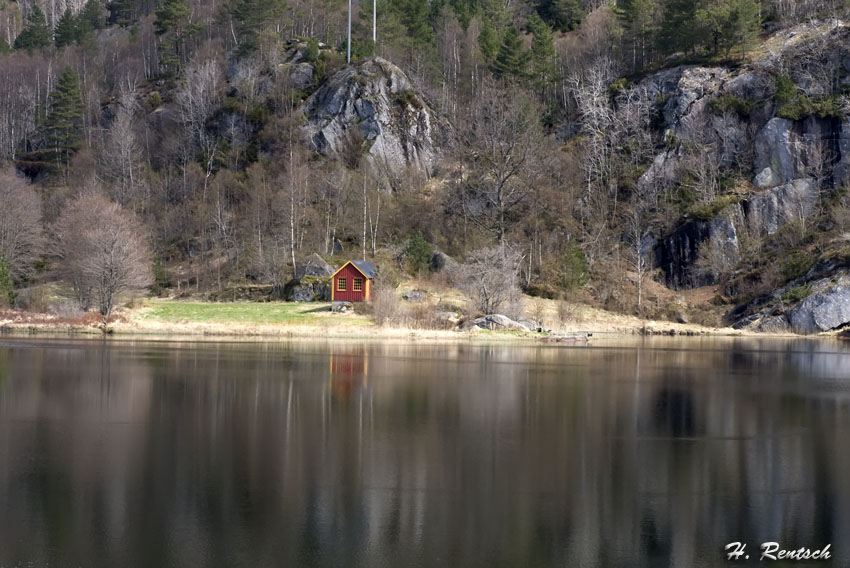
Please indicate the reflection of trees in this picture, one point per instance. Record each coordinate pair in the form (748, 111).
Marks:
(295, 454)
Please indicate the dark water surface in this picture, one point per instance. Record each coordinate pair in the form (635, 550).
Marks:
(656, 453)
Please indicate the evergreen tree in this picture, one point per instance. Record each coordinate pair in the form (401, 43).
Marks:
(256, 20)
(563, 15)
(7, 288)
(92, 17)
(637, 18)
(745, 22)
(542, 52)
(488, 42)
(125, 12)
(66, 30)
(415, 18)
(173, 26)
(679, 29)
(511, 61)
(65, 120)
(36, 33)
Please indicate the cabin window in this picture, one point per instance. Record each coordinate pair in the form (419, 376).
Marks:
(358, 285)
(342, 284)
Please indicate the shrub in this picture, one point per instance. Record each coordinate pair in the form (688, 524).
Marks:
(161, 280)
(7, 290)
(797, 294)
(730, 103)
(311, 54)
(573, 273)
(418, 253)
(385, 303)
(802, 106)
(708, 211)
(796, 265)
(785, 89)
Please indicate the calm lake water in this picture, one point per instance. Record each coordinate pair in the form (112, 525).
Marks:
(621, 453)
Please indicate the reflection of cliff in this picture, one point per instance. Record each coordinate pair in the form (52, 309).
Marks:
(294, 454)
(674, 412)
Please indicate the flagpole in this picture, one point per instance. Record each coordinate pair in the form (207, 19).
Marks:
(348, 55)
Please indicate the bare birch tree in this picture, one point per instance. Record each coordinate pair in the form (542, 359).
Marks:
(101, 250)
(20, 224)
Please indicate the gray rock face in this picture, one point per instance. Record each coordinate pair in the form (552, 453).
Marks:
(764, 213)
(776, 152)
(316, 266)
(822, 311)
(498, 322)
(415, 296)
(760, 215)
(786, 150)
(677, 255)
(374, 101)
(442, 263)
(686, 91)
(301, 75)
(307, 291)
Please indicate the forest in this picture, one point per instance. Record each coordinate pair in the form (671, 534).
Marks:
(178, 133)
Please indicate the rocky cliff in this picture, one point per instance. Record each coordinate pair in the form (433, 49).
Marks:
(371, 107)
(792, 151)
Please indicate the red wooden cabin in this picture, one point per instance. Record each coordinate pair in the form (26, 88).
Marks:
(353, 282)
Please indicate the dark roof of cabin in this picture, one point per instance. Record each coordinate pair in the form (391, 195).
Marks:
(367, 268)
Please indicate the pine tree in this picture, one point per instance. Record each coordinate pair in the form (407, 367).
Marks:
(90, 18)
(66, 30)
(255, 21)
(36, 33)
(745, 22)
(563, 15)
(542, 52)
(124, 12)
(7, 288)
(729, 23)
(637, 20)
(679, 29)
(65, 120)
(511, 61)
(415, 18)
(173, 26)
(488, 42)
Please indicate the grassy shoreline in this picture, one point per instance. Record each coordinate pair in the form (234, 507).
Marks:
(165, 318)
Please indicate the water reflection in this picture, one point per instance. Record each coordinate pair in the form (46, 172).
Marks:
(307, 454)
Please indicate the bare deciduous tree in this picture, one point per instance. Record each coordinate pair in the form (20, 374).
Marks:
(500, 140)
(101, 250)
(490, 278)
(121, 161)
(20, 224)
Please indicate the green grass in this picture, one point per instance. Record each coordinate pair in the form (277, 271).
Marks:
(271, 313)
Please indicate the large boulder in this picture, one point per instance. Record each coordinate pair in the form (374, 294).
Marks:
(372, 106)
(415, 296)
(822, 311)
(441, 262)
(765, 212)
(308, 289)
(786, 150)
(314, 265)
(498, 322)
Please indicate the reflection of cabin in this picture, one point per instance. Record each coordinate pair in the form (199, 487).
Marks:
(353, 282)
(348, 371)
